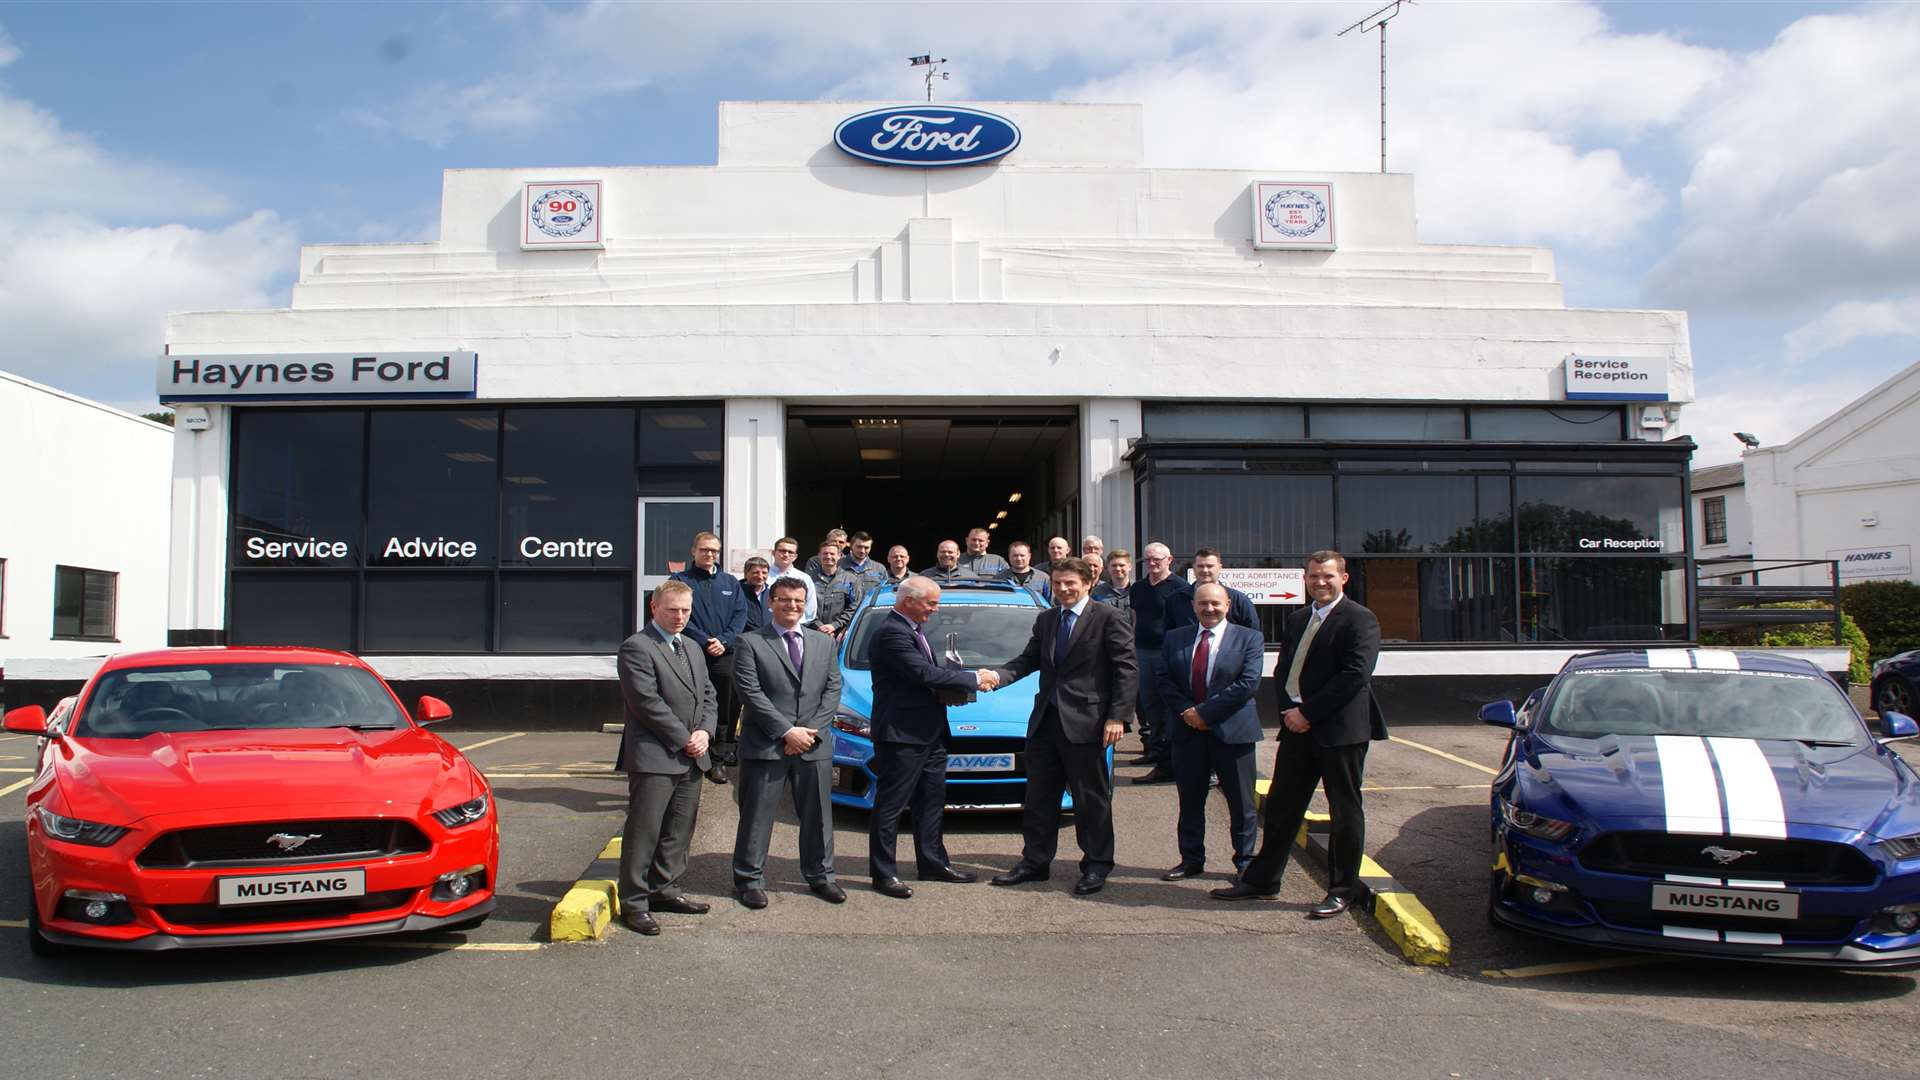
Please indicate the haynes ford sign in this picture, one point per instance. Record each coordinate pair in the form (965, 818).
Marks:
(927, 137)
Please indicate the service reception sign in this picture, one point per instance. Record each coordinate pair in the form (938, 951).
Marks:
(1891, 563)
(1287, 586)
(337, 376)
(1616, 378)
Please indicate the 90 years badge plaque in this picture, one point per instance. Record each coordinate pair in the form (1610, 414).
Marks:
(561, 214)
(1293, 214)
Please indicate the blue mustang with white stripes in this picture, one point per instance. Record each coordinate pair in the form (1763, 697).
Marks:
(1706, 801)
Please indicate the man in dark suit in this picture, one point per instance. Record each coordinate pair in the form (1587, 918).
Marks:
(910, 691)
(788, 679)
(719, 616)
(1208, 676)
(1088, 679)
(1328, 715)
(671, 716)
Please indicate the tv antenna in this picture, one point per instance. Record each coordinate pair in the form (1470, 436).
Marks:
(934, 72)
(1376, 21)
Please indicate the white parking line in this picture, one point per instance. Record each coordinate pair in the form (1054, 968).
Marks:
(1442, 753)
(603, 775)
(452, 946)
(14, 924)
(490, 742)
(16, 786)
(1575, 967)
(10, 768)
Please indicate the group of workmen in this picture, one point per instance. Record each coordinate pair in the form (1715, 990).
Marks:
(744, 673)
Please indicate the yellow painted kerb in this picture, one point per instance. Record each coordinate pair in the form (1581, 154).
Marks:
(588, 909)
(1412, 927)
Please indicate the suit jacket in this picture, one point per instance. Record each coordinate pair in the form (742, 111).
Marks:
(906, 708)
(1336, 682)
(666, 701)
(1095, 682)
(776, 699)
(1229, 707)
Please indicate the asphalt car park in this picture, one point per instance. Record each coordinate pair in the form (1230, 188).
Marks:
(1144, 979)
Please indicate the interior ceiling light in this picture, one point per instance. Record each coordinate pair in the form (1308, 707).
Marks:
(1015, 497)
(1001, 516)
(706, 455)
(877, 422)
(883, 476)
(679, 421)
(529, 481)
(878, 454)
(471, 457)
(992, 525)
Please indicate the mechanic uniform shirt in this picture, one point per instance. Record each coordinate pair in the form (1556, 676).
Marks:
(719, 605)
(1158, 609)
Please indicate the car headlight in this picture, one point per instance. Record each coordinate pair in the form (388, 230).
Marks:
(1904, 847)
(1533, 824)
(76, 831)
(465, 814)
(853, 723)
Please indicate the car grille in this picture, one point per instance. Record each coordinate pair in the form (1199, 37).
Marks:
(1655, 854)
(1643, 917)
(298, 911)
(247, 845)
(994, 793)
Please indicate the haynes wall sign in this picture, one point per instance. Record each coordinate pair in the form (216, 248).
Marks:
(1293, 214)
(563, 215)
(926, 137)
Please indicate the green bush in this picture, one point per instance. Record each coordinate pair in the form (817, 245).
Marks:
(1804, 635)
(1889, 613)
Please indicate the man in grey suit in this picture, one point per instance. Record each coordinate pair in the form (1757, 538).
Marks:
(671, 716)
(788, 680)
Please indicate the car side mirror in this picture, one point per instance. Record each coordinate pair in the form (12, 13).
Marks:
(1499, 714)
(1896, 725)
(432, 710)
(32, 720)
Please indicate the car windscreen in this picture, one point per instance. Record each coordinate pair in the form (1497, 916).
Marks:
(136, 702)
(1733, 704)
(984, 635)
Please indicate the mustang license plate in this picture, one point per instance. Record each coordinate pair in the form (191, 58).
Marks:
(290, 888)
(1703, 900)
(979, 763)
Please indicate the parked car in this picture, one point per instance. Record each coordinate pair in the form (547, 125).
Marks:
(240, 796)
(983, 624)
(1896, 683)
(1706, 801)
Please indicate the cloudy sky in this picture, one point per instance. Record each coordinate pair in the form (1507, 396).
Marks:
(1752, 164)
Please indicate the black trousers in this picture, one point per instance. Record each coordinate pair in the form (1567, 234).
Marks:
(1298, 767)
(1055, 765)
(661, 811)
(720, 670)
(1197, 756)
(908, 775)
(1156, 719)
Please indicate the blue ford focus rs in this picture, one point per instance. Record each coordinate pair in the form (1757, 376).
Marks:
(1711, 802)
(983, 624)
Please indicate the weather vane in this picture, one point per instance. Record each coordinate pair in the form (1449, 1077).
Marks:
(1378, 21)
(933, 69)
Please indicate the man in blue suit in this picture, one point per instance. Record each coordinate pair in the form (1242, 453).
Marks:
(1208, 677)
(911, 690)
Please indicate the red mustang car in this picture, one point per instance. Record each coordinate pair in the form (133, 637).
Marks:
(197, 797)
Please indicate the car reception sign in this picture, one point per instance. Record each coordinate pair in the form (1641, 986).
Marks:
(1287, 586)
(318, 375)
(927, 137)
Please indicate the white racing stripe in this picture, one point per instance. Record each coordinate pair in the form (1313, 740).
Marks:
(1748, 937)
(1715, 660)
(1753, 794)
(1686, 780)
(1668, 658)
(1690, 933)
(1739, 883)
(1688, 879)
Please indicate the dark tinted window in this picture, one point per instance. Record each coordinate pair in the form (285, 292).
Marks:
(1559, 423)
(1602, 600)
(83, 602)
(569, 491)
(1182, 420)
(1424, 513)
(291, 609)
(680, 449)
(1388, 422)
(297, 496)
(1437, 599)
(432, 491)
(1248, 514)
(1605, 515)
(133, 703)
(427, 612)
(564, 613)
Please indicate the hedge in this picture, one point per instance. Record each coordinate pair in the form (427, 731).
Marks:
(1859, 670)
(1888, 612)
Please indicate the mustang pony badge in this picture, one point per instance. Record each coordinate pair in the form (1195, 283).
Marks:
(287, 841)
(1725, 856)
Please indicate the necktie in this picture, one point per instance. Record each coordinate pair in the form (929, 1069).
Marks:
(1300, 654)
(1199, 680)
(793, 650)
(681, 653)
(1061, 636)
(921, 638)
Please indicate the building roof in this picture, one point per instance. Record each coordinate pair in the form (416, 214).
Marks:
(1720, 476)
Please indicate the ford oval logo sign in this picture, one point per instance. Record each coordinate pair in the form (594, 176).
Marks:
(927, 137)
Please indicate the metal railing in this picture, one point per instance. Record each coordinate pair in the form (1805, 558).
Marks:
(1719, 603)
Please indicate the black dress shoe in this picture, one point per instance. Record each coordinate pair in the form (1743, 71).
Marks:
(948, 873)
(752, 899)
(1159, 774)
(892, 886)
(717, 774)
(1089, 884)
(1020, 875)
(1240, 890)
(679, 905)
(1183, 872)
(641, 922)
(830, 891)
(1328, 908)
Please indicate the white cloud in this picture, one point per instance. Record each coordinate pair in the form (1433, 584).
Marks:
(1850, 321)
(1801, 188)
(1739, 402)
(437, 112)
(9, 52)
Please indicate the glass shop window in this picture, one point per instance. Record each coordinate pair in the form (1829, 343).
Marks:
(1380, 514)
(297, 478)
(433, 488)
(1601, 515)
(568, 499)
